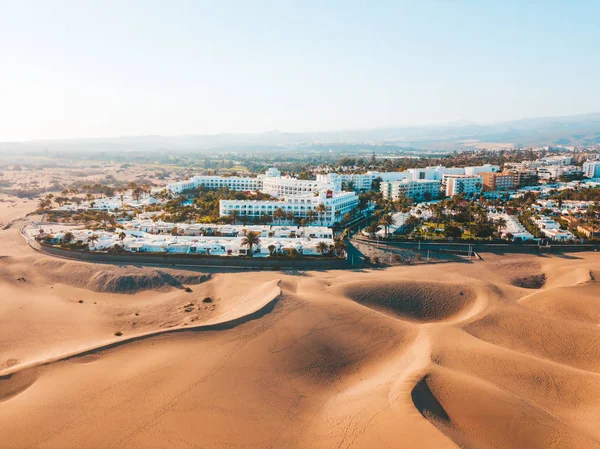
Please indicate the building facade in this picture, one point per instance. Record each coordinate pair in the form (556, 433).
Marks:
(554, 172)
(495, 182)
(525, 177)
(421, 189)
(324, 209)
(591, 169)
(284, 186)
(217, 182)
(466, 184)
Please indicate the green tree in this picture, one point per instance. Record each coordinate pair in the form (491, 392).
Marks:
(386, 221)
(322, 247)
(251, 240)
(67, 238)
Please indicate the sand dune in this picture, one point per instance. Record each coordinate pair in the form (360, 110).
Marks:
(415, 301)
(480, 355)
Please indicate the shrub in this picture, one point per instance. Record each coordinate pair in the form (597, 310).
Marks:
(81, 301)
(187, 289)
(208, 299)
(118, 333)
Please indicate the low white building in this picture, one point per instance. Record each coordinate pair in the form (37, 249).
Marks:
(227, 230)
(551, 229)
(141, 242)
(513, 227)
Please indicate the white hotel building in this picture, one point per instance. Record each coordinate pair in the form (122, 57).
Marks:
(467, 184)
(295, 195)
(337, 204)
(591, 169)
(364, 181)
(419, 189)
(216, 182)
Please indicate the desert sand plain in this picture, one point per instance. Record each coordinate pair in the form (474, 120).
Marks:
(499, 353)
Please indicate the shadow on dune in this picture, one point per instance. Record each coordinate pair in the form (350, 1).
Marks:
(535, 281)
(426, 403)
(13, 384)
(414, 301)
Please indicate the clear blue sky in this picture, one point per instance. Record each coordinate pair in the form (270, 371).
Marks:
(110, 68)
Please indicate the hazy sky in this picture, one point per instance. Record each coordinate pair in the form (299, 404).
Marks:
(109, 68)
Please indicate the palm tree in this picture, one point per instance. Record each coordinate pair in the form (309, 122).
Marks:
(93, 239)
(322, 247)
(67, 238)
(321, 209)
(279, 214)
(386, 221)
(501, 224)
(372, 229)
(234, 216)
(339, 246)
(122, 236)
(337, 214)
(266, 218)
(250, 240)
(60, 200)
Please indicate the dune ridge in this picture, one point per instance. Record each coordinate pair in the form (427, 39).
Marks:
(96, 277)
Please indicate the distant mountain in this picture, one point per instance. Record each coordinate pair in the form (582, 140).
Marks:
(569, 130)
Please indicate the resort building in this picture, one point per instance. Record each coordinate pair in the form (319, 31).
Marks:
(220, 230)
(551, 228)
(323, 208)
(467, 184)
(557, 160)
(514, 229)
(421, 189)
(140, 242)
(216, 182)
(554, 172)
(525, 177)
(494, 182)
(270, 182)
(485, 168)
(363, 182)
(591, 169)
(285, 186)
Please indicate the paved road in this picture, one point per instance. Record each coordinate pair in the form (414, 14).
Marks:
(498, 248)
